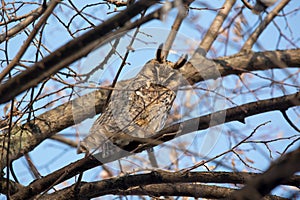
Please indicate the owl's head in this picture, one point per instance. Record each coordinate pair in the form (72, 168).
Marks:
(163, 72)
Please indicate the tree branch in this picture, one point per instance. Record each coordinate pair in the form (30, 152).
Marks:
(232, 114)
(33, 15)
(190, 190)
(127, 185)
(69, 53)
(254, 36)
(279, 171)
(213, 30)
(242, 63)
(13, 186)
(52, 5)
(61, 117)
(51, 122)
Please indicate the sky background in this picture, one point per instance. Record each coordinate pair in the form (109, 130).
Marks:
(52, 155)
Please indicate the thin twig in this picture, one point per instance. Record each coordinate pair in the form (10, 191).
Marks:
(29, 18)
(213, 30)
(33, 33)
(68, 53)
(254, 36)
(175, 27)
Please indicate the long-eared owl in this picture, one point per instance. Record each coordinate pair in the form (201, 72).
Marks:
(138, 107)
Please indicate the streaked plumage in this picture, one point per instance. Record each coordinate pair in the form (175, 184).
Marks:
(137, 108)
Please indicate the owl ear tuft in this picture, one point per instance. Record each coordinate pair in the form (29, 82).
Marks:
(180, 62)
(159, 57)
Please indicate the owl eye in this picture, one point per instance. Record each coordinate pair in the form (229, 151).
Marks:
(160, 58)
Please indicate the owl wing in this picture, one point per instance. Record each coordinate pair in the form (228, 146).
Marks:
(116, 120)
(98, 138)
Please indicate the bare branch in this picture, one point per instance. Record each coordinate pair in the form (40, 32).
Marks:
(13, 186)
(33, 15)
(163, 178)
(189, 190)
(254, 36)
(279, 171)
(247, 4)
(69, 53)
(233, 114)
(286, 117)
(213, 31)
(172, 35)
(61, 117)
(26, 44)
(242, 63)
(51, 122)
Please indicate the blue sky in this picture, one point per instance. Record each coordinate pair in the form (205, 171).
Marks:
(52, 155)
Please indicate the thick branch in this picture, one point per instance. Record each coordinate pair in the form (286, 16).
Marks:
(252, 61)
(158, 190)
(61, 117)
(69, 53)
(126, 184)
(51, 122)
(279, 171)
(189, 190)
(13, 186)
(242, 63)
(213, 31)
(233, 114)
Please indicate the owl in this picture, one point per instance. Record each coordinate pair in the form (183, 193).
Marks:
(138, 107)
